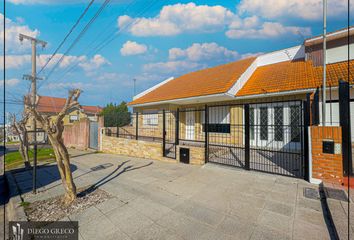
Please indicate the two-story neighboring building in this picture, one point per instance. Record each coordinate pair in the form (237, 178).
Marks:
(51, 106)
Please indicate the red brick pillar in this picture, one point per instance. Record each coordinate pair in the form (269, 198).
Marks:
(327, 166)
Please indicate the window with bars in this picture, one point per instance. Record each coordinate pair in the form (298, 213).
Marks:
(219, 119)
(252, 123)
(278, 123)
(150, 119)
(295, 116)
(263, 123)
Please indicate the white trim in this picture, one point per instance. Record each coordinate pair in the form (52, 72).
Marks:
(282, 55)
(285, 93)
(199, 99)
(243, 78)
(329, 35)
(152, 88)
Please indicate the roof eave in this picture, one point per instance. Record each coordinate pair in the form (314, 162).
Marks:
(191, 100)
(276, 94)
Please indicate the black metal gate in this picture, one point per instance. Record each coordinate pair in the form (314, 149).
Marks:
(170, 123)
(267, 137)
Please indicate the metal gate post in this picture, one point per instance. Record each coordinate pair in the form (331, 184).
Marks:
(316, 108)
(163, 133)
(247, 136)
(137, 126)
(344, 115)
(177, 127)
(307, 109)
(206, 128)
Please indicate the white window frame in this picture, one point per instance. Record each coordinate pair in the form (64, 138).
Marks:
(73, 118)
(150, 118)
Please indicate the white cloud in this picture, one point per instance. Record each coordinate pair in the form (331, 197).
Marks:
(203, 52)
(178, 18)
(94, 63)
(133, 48)
(171, 67)
(268, 30)
(15, 61)
(10, 82)
(305, 9)
(13, 29)
(71, 85)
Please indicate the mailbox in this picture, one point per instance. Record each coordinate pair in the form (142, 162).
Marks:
(184, 155)
(328, 147)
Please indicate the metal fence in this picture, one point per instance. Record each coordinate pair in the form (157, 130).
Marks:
(143, 126)
(265, 137)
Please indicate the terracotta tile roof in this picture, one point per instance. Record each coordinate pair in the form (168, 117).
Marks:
(91, 109)
(288, 76)
(47, 104)
(200, 83)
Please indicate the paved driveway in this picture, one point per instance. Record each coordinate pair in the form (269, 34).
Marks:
(158, 200)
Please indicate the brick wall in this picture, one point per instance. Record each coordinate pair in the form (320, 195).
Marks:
(327, 167)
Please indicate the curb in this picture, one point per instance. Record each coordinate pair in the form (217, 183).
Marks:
(15, 211)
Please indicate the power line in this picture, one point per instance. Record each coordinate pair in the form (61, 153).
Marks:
(67, 35)
(108, 40)
(81, 34)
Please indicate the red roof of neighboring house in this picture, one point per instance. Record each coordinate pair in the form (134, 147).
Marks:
(208, 81)
(91, 109)
(47, 104)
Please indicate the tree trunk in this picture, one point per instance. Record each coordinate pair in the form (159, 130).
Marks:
(63, 162)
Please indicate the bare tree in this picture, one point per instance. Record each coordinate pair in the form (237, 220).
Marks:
(21, 132)
(54, 128)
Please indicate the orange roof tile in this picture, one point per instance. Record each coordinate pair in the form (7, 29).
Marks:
(294, 75)
(47, 104)
(91, 109)
(200, 83)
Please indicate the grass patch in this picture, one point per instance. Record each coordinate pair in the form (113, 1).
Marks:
(25, 204)
(14, 159)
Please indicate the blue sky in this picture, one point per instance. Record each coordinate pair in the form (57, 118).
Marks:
(168, 39)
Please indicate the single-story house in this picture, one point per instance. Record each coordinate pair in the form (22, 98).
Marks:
(270, 88)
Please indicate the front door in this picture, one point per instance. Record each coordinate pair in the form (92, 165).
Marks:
(190, 121)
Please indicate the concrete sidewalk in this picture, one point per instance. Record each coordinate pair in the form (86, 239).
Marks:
(157, 200)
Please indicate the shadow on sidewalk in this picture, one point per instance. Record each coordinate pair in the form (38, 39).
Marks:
(114, 174)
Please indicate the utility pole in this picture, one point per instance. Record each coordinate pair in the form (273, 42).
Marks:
(134, 86)
(324, 62)
(33, 78)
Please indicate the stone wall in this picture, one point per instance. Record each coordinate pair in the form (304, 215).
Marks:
(147, 149)
(196, 154)
(325, 166)
(132, 147)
